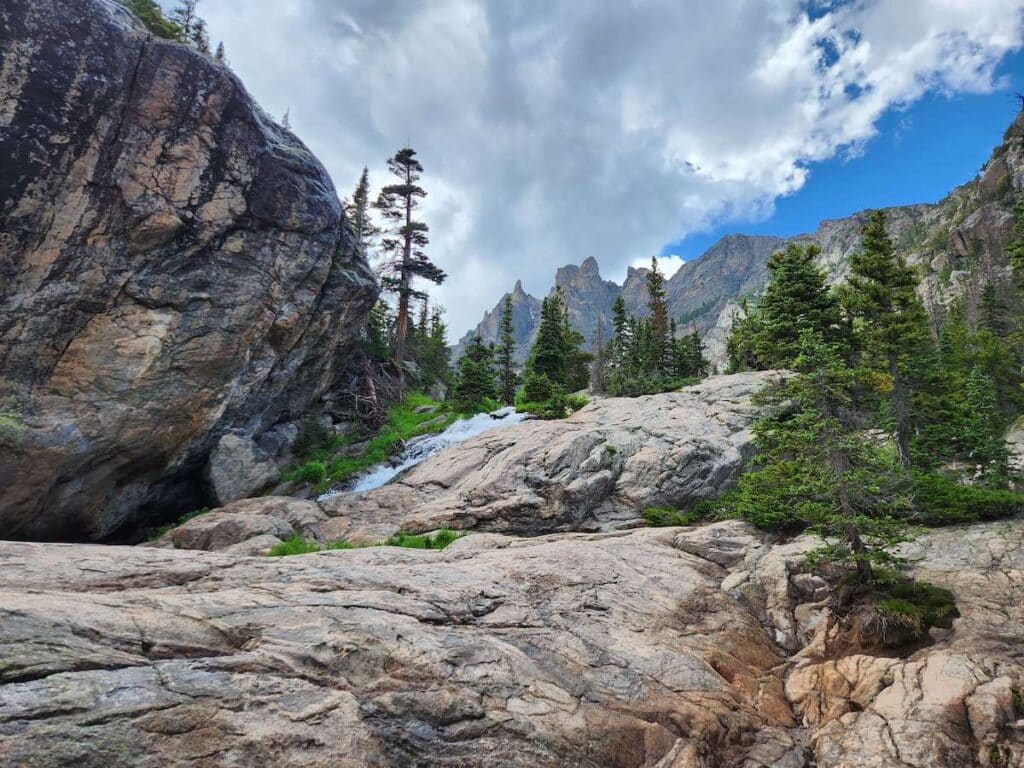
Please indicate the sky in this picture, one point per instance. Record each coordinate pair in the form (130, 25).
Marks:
(554, 130)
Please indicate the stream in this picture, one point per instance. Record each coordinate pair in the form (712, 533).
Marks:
(422, 448)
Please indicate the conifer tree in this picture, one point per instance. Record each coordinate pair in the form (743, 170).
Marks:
(983, 431)
(893, 331)
(659, 349)
(505, 354)
(200, 37)
(797, 299)
(475, 383)
(405, 241)
(600, 365)
(377, 332)
(358, 211)
(548, 356)
(186, 16)
(220, 55)
(817, 469)
(620, 333)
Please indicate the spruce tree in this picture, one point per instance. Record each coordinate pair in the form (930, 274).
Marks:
(220, 56)
(599, 368)
(816, 468)
(577, 361)
(548, 356)
(200, 37)
(983, 431)
(797, 299)
(892, 332)
(659, 352)
(474, 383)
(505, 354)
(404, 242)
(620, 333)
(186, 16)
(357, 209)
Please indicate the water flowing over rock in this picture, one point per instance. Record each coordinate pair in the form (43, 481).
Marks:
(653, 648)
(596, 470)
(173, 267)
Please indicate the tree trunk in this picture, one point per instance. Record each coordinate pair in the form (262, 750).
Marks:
(402, 321)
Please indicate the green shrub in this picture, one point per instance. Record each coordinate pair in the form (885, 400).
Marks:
(663, 517)
(575, 402)
(907, 609)
(149, 13)
(312, 472)
(610, 449)
(341, 544)
(439, 540)
(940, 500)
(296, 545)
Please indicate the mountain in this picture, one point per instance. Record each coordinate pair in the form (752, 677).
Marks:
(173, 273)
(956, 244)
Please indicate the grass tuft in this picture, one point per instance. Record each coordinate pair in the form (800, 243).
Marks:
(663, 517)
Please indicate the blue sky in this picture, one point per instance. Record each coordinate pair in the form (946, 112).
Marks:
(919, 155)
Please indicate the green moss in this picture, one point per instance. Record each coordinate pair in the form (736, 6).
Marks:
(663, 517)
(11, 428)
(610, 449)
(1018, 701)
(916, 605)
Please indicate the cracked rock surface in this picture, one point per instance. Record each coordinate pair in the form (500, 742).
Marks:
(596, 470)
(653, 647)
(172, 268)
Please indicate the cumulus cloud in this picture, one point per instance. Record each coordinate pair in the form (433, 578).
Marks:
(552, 131)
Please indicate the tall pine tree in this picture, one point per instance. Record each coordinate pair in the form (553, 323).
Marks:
(404, 242)
(505, 354)
(892, 326)
(660, 352)
(358, 211)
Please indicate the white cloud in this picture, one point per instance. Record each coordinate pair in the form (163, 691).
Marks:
(551, 131)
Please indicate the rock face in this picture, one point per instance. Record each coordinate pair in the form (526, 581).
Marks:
(173, 267)
(525, 319)
(657, 648)
(598, 469)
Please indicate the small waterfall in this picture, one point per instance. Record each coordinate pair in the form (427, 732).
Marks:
(422, 448)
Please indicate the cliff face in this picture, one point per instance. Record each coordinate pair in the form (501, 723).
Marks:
(173, 266)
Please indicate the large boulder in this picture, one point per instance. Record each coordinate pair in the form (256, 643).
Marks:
(596, 470)
(173, 266)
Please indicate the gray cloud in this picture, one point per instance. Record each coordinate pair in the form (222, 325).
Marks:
(559, 129)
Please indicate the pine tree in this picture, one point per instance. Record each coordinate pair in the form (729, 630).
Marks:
(659, 352)
(893, 328)
(405, 240)
(548, 356)
(286, 119)
(200, 38)
(220, 56)
(1014, 250)
(817, 469)
(797, 299)
(983, 432)
(577, 361)
(505, 354)
(600, 365)
(185, 16)
(620, 333)
(377, 332)
(475, 383)
(358, 212)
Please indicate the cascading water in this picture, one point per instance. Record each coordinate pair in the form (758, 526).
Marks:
(425, 447)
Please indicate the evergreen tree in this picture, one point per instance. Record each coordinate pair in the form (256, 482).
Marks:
(600, 365)
(549, 353)
(200, 38)
(797, 299)
(358, 212)
(405, 240)
(186, 16)
(220, 56)
(505, 354)
(152, 16)
(817, 469)
(892, 328)
(1014, 250)
(434, 357)
(739, 347)
(577, 361)
(377, 326)
(620, 333)
(983, 431)
(475, 383)
(286, 119)
(659, 352)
